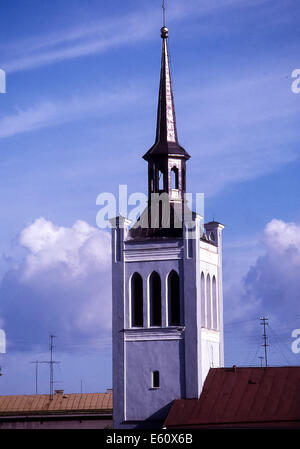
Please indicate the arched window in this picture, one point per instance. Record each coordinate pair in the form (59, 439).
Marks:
(136, 300)
(208, 301)
(174, 178)
(174, 298)
(203, 305)
(155, 299)
(215, 323)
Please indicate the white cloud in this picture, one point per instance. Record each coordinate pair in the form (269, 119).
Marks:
(63, 285)
(81, 249)
(269, 288)
(272, 284)
(282, 237)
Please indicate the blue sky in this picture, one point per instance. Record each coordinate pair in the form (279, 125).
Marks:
(80, 111)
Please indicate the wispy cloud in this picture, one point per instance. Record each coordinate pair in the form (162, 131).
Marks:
(68, 48)
(246, 125)
(51, 113)
(239, 120)
(101, 35)
(94, 37)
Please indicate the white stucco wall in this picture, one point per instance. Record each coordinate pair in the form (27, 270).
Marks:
(182, 355)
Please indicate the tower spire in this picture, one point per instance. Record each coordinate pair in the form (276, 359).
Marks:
(166, 141)
(164, 13)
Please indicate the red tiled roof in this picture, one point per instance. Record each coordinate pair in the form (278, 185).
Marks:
(61, 403)
(242, 396)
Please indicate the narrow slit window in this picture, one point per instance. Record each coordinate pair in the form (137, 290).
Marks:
(155, 299)
(215, 323)
(137, 300)
(208, 303)
(155, 379)
(174, 298)
(203, 301)
(160, 180)
(174, 178)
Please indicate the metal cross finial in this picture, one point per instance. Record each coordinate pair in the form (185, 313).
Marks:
(164, 12)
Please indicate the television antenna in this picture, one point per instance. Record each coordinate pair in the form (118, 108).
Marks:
(264, 323)
(51, 363)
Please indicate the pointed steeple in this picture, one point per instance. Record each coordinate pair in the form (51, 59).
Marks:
(166, 142)
(166, 167)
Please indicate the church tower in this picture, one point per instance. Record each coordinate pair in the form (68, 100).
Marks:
(167, 314)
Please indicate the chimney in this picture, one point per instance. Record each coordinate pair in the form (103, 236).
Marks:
(59, 392)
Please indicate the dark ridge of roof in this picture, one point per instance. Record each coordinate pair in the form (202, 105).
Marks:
(140, 233)
(214, 222)
(166, 148)
(242, 395)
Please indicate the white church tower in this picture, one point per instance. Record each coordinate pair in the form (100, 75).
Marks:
(167, 313)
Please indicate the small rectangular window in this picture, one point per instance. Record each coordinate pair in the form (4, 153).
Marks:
(155, 379)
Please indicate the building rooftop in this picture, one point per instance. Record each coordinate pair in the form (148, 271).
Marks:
(61, 403)
(242, 397)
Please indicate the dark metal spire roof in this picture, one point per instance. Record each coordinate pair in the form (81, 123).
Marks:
(166, 142)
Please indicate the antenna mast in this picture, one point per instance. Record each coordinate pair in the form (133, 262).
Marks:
(261, 359)
(36, 375)
(264, 323)
(51, 363)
